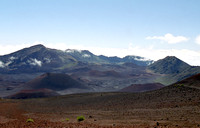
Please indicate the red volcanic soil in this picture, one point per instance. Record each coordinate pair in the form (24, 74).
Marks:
(191, 81)
(54, 81)
(34, 93)
(169, 107)
(142, 87)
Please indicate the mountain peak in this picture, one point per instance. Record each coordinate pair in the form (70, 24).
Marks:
(171, 57)
(38, 46)
(54, 81)
(174, 59)
(169, 65)
(30, 49)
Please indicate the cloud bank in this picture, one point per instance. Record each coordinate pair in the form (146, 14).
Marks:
(197, 40)
(189, 56)
(169, 38)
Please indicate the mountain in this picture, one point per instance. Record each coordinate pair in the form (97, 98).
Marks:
(54, 81)
(37, 58)
(169, 65)
(173, 69)
(142, 87)
(97, 70)
(141, 61)
(86, 56)
(137, 60)
(100, 73)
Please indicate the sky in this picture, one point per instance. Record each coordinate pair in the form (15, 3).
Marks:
(149, 28)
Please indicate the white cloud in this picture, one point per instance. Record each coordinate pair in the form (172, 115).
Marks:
(8, 63)
(169, 38)
(47, 60)
(197, 39)
(86, 55)
(35, 62)
(189, 56)
(142, 59)
(2, 65)
(12, 58)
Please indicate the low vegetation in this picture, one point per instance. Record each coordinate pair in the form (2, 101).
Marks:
(80, 118)
(179, 85)
(29, 120)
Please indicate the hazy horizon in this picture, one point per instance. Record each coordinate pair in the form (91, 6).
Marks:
(152, 29)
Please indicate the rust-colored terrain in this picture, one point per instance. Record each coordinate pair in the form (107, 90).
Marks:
(174, 106)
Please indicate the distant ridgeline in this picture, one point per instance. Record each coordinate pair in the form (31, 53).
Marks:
(38, 58)
(174, 69)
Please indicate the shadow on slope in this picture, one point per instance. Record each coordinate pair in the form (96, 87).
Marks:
(142, 87)
(38, 93)
(54, 81)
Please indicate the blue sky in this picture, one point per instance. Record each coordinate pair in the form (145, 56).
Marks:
(149, 28)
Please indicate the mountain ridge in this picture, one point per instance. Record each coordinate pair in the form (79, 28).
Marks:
(169, 65)
(39, 58)
(173, 69)
(97, 70)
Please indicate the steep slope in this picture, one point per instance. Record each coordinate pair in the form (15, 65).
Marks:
(169, 65)
(37, 58)
(54, 81)
(173, 70)
(142, 87)
(193, 81)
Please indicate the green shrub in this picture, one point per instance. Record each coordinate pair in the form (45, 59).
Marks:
(179, 85)
(29, 120)
(66, 119)
(80, 118)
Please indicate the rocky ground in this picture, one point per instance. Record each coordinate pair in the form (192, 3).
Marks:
(171, 107)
